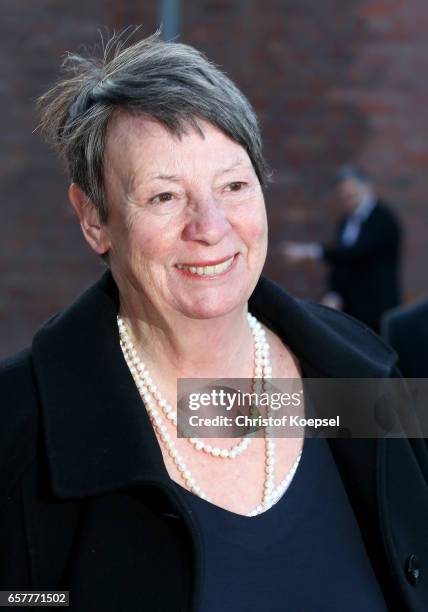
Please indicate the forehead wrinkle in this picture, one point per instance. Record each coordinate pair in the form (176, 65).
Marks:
(176, 177)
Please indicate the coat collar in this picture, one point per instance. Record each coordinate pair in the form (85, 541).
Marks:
(97, 435)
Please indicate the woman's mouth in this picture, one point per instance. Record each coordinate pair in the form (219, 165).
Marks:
(208, 269)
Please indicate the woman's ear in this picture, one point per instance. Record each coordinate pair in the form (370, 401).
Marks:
(94, 231)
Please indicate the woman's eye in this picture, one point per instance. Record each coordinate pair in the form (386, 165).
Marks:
(161, 198)
(235, 186)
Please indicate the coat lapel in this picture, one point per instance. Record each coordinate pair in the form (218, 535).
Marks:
(333, 344)
(98, 437)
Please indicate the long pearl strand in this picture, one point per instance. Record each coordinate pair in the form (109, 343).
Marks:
(261, 368)
(151, 396)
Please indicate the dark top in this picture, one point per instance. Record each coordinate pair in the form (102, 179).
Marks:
(303, 554)
(366, 274)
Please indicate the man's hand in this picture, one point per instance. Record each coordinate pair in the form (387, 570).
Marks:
(332, 300)
(301, 251)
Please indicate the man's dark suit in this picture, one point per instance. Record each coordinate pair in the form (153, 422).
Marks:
(406, 330)
(366, 273)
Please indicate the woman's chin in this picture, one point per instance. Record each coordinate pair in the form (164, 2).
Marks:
(212, 309)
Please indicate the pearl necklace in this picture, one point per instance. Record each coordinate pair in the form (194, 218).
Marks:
(151, 396)
(261, 367)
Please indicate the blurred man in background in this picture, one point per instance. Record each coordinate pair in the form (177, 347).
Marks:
(364, 258)
(406, 330)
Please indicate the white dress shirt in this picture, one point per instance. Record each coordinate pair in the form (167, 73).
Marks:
(352, 227)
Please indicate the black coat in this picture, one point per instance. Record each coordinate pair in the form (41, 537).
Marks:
(366, 274)
(88, 506)
(406, 329)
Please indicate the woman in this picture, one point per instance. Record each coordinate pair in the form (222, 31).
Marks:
(100, 496)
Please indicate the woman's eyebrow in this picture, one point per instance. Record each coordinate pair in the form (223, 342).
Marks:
(134, 182)
(164, 177)
(232, 166)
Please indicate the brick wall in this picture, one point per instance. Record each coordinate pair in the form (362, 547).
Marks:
(332, 81)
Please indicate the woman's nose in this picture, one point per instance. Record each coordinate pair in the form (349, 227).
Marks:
(207, 223)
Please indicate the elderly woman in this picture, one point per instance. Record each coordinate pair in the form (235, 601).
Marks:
(99, 495)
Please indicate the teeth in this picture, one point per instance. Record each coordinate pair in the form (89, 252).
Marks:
(207, 270)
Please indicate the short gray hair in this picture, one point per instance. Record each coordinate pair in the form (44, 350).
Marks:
(348, 171)
(170, 82)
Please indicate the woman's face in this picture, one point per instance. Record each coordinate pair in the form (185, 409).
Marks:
(187, 228)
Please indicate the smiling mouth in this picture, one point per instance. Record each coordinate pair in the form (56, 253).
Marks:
(208, 269)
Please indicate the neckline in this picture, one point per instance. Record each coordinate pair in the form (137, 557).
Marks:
(219, 510)
(211, 507)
